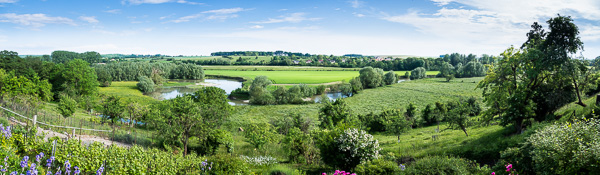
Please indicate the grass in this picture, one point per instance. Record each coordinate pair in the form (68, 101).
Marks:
(290, 77)
(295, 77)
(418, 92)
(278, 68)
(128, 91)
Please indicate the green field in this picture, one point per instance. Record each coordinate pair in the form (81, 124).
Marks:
(418, 92)
(278, 68)
(296, 77)
(128, 91)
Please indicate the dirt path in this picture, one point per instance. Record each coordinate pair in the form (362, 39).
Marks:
(330, 83)
(85, 139)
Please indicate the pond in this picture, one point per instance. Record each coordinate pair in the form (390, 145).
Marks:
(166, 93)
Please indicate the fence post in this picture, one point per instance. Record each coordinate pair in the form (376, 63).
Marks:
(73, 133)
(34, 120)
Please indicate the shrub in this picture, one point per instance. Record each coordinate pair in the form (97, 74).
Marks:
(378, 166)
(355, 146)
(446, 165)
(145, 84)
(390, 78)
(227, 164)
(418, 73)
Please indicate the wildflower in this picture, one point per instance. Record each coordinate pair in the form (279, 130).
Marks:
(76, 170)
(13, 173)
(67, 167)
(324, 174)
(493, 173)
(402, 167)
(49, 163)
(509, 166)
(99, 172)
(24, 161)
(58, 172)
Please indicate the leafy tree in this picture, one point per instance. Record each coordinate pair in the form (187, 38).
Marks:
(427, 115)
(136, 111)
(259, 93)
(411, 113)
(182, 119)
(447, 71)
(299, 146)
(458, 117)
(371, 77)
(259, 134)
(356, 85)
(354, 146)
(333, 113)
(104, 77)
(473, 69)
(396, 122)
(66, 106)
(390, 78)
(112, 108)
(79, 76)
(516, 89)
(88, 103)
(146, 85)
(346, 89)
(418, 73)
(214, 105)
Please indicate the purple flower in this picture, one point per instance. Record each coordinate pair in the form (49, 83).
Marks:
(58, 172)
(99, 172)
(402, 167)
(13, 173)
(76, 170)
(48, 163)
(24, 162)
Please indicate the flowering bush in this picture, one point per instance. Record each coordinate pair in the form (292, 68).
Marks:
(358, 146)
(259, 160)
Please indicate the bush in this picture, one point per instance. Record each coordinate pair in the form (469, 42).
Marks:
(390, 78)
(227, 164)
(378, 166)
(145, 84)
(418, 73)
(446, 165)
(570, 148)
(355, 146)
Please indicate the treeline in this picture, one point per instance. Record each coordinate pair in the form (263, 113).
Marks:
(131, 71)
(397, 64)
(60, 56)
(258, 53)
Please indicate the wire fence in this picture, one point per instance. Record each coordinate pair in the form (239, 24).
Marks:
(73, 126)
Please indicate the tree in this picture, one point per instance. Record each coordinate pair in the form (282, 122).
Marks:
(447, 71)
(259, 134)
(418, 73)
(136, 111)
(66, 106)
(146, 85)
(259, 93)
(525, 83)
(181, 120)
(411, 113)
(214, 105)
(356, 85)
(458, 117)
(396, 123)
(112, 108)
(355, 146)
(390, 78)
(371, 77)
(473, 69)
(104, 77)
(79, 76)
(333, 113)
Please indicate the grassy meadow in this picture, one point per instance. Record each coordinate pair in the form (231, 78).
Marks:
(128, 91)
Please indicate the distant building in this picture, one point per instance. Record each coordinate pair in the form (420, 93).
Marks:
(308, 61)
(343, 60)
(296, 62)
(320, 61)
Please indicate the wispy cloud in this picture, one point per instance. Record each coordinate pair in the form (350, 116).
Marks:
(8, 1)
(218, 14)
(356, 3)
(35, 20)
(138, 2)
(113, 11)
(293, 18)
(257, 27)
(89, 19)
(442, 2)
(358, 15)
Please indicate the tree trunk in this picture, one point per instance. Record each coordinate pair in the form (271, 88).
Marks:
(519, 125)
(465, 130)
(185, 143)
(398, 138)
(580, 102)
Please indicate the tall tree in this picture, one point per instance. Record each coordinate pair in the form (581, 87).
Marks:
(182, 120)
(79, 76)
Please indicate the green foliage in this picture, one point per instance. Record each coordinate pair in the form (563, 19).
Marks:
(214, 105)
(215, 139)
(396, 123)
(181, 119)
(66, 56)
(259, 93)
(299, 146)
(80, 78)
(228, 164)
(411, 113)
(473, 69)
(371, 77)
(130, 71)
(569, 148)
(378, 166)
(356, 85)
(320, 89)
(259, 134)
(458, 117)
(445, 165)
(418, 73)
(145, 84)
(390, 78)
(331, 114)
(67, 106)
(355, 147)
(20, 85)
(104, 77)
(447, 71)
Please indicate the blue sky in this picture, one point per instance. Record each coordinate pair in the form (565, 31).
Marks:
(199, 27)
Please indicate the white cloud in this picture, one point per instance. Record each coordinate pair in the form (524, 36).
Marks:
(35, 20)
(8, 1)
(356, 3)
(138, 2)
(113, 11)
(225, 11)
(442, 2)
(257, 27)
(281, 10)
(293, 18)
(218, 14)
(589, 33)
(358, 15)
(89, 19)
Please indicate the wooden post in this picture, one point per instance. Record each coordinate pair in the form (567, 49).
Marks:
(34, 120)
